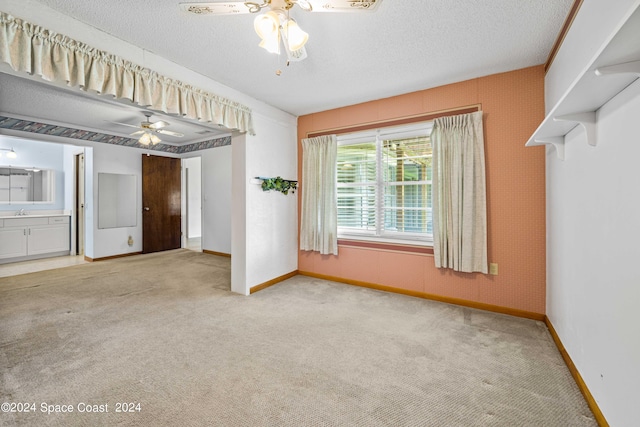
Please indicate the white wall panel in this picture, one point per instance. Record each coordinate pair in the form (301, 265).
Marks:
(593, 280)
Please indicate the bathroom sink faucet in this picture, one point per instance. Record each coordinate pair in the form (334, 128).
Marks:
(21, 212)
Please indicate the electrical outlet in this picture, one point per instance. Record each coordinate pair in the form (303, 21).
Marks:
(493, 268)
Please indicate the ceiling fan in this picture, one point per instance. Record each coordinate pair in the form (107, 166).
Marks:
(276, 25)
(234, 7)
(147, 130)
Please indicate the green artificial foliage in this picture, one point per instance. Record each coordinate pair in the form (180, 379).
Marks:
(279, 184)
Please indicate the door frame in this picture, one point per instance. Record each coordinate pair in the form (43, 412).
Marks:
(76, 219)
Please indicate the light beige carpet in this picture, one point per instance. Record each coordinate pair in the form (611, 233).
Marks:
(163, 331)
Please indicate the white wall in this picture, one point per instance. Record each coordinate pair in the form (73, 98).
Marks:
(271, 217)
(193, 198)
(593, 282)
(239, 242)
(216, 199)
(264, 224)
(113, 159)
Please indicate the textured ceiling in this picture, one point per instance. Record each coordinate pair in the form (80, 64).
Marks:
(404, 46)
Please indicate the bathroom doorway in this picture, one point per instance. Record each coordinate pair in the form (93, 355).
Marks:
(79, 204)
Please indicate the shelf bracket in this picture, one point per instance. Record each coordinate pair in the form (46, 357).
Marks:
(587, 120)
(625, 68)
(556, 141)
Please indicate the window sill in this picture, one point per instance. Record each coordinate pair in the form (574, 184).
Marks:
(387, 245)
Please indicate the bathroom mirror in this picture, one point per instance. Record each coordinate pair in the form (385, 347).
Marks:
(116, 200)
(26, 185)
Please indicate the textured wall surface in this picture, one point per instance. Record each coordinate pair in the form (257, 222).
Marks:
(513, 105)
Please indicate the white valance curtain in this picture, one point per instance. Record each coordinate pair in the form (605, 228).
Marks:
(54, 57)
(459, 193)
(319, 222)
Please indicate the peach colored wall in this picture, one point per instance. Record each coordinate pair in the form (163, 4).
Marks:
(513, 105)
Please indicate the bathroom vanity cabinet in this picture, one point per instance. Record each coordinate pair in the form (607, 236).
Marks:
(31, 237)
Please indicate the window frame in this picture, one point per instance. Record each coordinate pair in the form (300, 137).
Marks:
(379, 135)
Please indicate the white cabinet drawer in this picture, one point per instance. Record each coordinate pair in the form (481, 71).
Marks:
(59, 220)
(25, 222)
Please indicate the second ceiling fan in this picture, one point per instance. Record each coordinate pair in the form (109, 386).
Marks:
(147, 130)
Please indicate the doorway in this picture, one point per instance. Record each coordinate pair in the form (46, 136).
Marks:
(192, 188)
(79, 204)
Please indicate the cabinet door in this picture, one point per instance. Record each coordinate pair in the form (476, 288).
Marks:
(48, 238)
(13, 242)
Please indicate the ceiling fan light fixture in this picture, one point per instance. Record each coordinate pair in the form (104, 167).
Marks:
(267, 27)
(145, 139)
(272, 26)
(149, 138)
(271, 44)
(296, 37)
(267, 24)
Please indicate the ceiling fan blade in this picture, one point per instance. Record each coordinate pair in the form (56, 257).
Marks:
(140, 132)
(344, 5)
(169, 132)
(159, 124)
(126, 124)
(226, 8)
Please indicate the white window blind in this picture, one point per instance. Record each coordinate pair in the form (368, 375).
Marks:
(384, 184)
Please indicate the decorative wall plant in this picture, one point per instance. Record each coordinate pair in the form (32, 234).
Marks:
(278, 184)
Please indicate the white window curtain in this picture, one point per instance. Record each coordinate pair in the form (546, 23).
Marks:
(319, 223)
(459, 193)
(35, 50)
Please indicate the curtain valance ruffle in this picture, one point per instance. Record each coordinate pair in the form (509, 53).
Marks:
(33, 49)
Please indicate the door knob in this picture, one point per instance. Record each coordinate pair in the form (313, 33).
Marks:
(146, 208)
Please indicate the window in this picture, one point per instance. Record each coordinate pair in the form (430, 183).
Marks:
(384, 184)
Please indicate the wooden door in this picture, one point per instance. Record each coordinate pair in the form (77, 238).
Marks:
(160, 203)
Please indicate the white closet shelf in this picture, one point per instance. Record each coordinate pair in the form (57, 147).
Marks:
(615, 68)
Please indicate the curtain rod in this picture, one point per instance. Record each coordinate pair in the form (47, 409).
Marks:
(400, 121)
